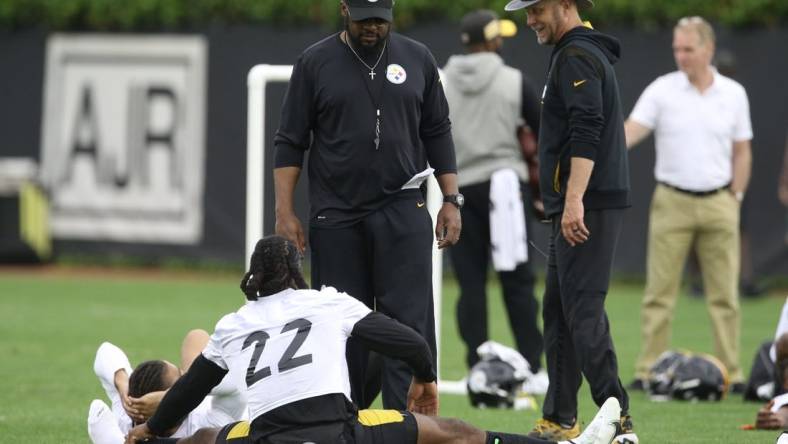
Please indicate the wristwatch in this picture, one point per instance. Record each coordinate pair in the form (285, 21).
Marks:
(458, 200)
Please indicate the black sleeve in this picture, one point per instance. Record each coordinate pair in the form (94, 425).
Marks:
(293, 137)
(580, 85)
(435, 126)
(388, 337)
(186, 394)
(530, 107)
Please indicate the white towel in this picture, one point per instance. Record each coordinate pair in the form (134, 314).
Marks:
(418, 179)
(508, 237)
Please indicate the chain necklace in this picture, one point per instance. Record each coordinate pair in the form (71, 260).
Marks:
(372, 74)
(371, 69)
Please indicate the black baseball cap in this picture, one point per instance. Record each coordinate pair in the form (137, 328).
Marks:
(520, 4)
(483, 25)
(366, 9)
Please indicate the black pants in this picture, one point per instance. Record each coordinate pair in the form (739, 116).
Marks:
(470, 258)
(385, 261)
(576, 328)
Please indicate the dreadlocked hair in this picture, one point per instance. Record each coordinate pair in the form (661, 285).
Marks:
(147, 377)
(275, 265)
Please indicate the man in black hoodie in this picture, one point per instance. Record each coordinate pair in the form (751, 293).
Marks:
(584, 180)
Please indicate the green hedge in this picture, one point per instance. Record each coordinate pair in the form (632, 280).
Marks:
(185, 14)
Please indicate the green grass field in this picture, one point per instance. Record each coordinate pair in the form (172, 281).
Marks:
(52, 323)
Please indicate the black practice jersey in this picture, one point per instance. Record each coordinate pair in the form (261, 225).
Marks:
(333, 108)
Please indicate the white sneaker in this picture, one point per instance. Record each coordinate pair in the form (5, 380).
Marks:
(626, 438)
(627, 435)
(603, 427)
(102, 424)
(536, 384)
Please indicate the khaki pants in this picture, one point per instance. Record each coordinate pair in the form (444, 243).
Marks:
(677, 222)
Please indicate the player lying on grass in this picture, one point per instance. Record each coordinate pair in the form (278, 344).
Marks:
(774, 414)
(289, 342)
(135, 395)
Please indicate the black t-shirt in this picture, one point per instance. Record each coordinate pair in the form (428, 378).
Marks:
(331, 108)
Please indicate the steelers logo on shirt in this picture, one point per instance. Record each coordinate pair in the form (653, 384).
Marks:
(396, 74)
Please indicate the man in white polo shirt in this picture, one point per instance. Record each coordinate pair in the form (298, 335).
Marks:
(701, 121)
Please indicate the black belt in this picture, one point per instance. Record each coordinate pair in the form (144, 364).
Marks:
(695, 193)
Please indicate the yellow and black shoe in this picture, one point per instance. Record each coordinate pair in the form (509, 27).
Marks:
(553, 431)
(626, 432)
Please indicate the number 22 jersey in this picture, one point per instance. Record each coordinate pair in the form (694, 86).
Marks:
(288, 346)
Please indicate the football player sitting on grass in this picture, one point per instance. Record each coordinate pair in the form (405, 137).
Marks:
(288, 344)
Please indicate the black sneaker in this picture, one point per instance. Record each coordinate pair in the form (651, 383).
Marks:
(637, 385)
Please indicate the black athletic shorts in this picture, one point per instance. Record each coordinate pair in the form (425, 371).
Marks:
(385, 426)
(370, 427)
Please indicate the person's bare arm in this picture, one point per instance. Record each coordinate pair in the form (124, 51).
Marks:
(449, 222)
(121, 380)
(742, 166)
(573, 225)
(287, 223)
(635, 133)
(113, 368)
(145, 406)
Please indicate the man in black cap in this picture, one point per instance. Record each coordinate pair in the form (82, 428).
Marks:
(369, 107)
(489, 102)
(584, 178)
